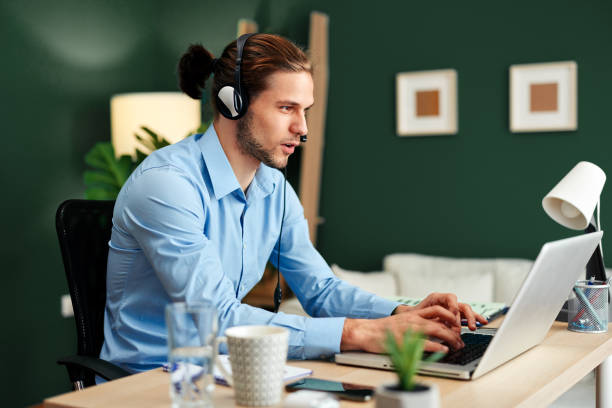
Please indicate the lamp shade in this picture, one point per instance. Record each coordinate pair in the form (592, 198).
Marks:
(572, 201)
(171, 115)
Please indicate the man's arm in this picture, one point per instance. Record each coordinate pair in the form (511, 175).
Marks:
(166, 214)
(322, 294)
(319, 291)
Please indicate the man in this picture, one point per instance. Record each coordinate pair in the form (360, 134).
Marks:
(200, 219)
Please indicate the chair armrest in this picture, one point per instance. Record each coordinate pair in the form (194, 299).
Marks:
(102, 368)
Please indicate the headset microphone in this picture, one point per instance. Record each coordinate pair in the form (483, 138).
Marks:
(304, 138)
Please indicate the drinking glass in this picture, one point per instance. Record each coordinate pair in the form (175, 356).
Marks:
(192, 329)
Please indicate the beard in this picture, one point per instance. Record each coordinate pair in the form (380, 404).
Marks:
(248, 144)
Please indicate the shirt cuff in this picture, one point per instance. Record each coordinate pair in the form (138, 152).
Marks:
(382, 307)
(322, 337)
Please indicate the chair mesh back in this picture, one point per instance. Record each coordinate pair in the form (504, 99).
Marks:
(84, 228)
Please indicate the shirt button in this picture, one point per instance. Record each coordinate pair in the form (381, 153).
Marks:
(244, 245)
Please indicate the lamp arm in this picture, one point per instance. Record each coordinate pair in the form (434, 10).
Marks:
(595, 267)
(599, 229)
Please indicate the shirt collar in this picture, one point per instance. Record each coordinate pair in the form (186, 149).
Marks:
(222, 175)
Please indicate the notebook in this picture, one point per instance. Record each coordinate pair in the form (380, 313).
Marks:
(488, 310)
(291, 373)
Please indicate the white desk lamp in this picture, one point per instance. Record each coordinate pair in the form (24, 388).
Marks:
(572, 203)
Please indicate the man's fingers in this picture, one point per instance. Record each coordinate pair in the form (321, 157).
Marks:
(446, 300)
(481, 319)
(451, 302)
(471, 317)
(433, 347)
(439, 331)
(440, 313)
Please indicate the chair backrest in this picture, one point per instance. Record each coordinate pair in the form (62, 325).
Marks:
(83, 229)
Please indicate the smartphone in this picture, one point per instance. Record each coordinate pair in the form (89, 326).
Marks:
(342, 390)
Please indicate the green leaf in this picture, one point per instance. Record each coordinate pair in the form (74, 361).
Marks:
(145, 142)
(140, 156)
(99, 155)
(110, 172)
(406, 356)
(156, 141)
(99, 178)
(434, 357)
(97, 193)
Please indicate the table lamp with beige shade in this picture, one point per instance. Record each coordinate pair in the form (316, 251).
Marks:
(572, 203)
(171, 115)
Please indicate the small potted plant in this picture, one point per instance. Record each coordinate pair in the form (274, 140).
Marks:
(406, 357)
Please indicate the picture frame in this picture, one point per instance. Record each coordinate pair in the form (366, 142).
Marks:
(543, 97)
(426, 103)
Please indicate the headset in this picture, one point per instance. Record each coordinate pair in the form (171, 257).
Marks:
(232, 99)
(232, 102)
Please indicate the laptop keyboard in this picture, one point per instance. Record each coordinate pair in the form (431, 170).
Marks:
(475, 346)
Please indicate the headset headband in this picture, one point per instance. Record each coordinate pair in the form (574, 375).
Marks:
(240, 43)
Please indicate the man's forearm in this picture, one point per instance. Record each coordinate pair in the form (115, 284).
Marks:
(364, 334)
(350, 335)
(358, 332)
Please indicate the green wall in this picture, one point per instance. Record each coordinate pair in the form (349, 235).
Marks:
(475, 194)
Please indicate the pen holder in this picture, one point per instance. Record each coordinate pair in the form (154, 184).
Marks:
(588, 309)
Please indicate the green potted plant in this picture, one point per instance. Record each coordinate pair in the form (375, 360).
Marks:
(406, 356)
(108, 173)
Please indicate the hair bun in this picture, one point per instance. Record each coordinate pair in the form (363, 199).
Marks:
(194, 68)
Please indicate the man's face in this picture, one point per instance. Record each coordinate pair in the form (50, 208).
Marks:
(271, 129)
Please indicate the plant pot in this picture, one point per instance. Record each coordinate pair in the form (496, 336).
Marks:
(421, 396)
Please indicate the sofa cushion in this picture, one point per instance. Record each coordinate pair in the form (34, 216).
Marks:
(379, 283)
(472, 280)
(509, 276)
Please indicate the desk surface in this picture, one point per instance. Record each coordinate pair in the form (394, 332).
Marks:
(535, 378)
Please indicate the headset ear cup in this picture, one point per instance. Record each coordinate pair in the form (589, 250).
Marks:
(225, 102)
(244, 103)
(230, 103)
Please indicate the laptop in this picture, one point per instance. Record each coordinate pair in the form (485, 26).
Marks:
(533, 311)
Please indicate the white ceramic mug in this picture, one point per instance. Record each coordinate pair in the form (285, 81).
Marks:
(257, 355)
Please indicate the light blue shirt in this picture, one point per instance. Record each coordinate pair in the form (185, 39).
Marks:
(183, 230)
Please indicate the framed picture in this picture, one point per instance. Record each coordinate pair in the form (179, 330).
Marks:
(543, 97)
(426, 102)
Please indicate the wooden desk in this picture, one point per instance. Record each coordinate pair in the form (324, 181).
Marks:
(535, 378)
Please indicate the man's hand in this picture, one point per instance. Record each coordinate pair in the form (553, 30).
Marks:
(437, 316)
(434, 321)
(449, 302)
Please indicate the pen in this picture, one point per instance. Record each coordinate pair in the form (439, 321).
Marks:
(588, 307)
(464, 322)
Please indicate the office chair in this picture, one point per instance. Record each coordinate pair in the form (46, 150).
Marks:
(83, 230)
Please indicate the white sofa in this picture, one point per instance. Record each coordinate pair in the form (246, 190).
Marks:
(415, 276)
